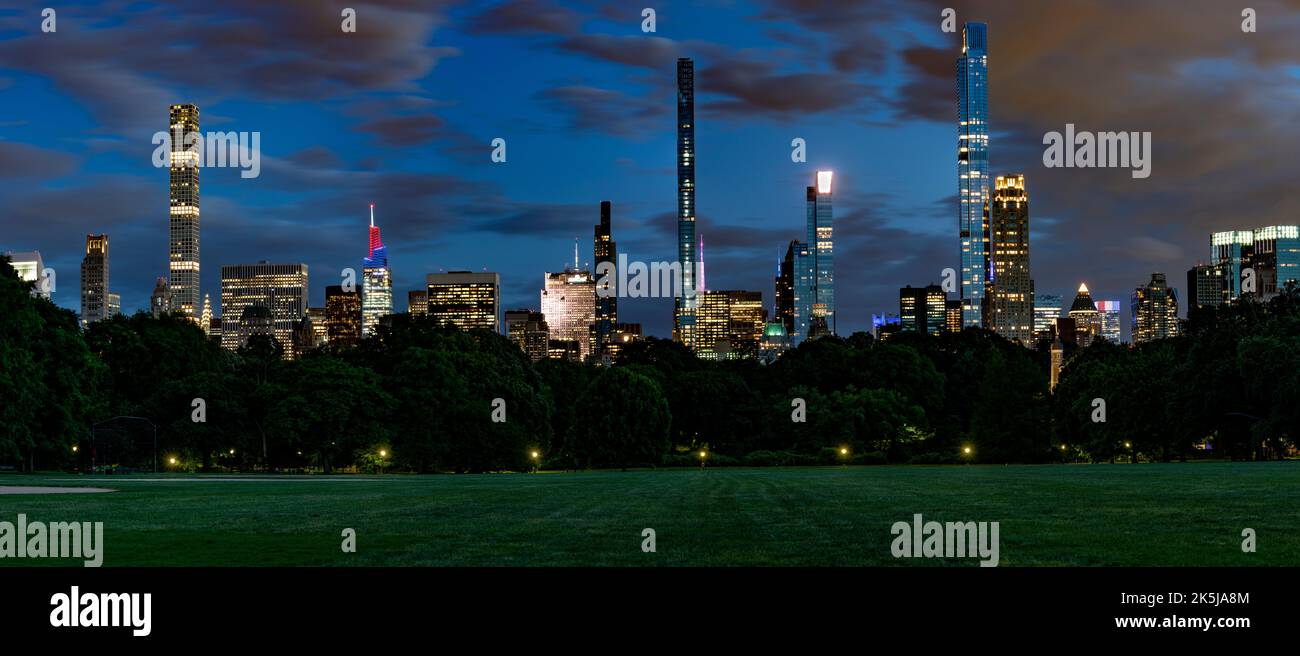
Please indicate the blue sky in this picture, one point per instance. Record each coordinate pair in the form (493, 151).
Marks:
(402, 114)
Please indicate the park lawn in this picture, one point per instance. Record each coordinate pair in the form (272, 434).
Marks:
(1051, 515)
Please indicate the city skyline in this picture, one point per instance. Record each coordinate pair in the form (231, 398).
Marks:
(456, 210)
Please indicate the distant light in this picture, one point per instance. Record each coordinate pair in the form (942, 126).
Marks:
(966, 450)
(1062, 447)
(232, 452)
(844, 452)
(171, 461)
(824, 181)
(383, 453)
(74, 448)
(703, 454)
(1128, 445)
(535, 454)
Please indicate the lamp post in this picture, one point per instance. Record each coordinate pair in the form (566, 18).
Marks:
(966, 452)
(536, 458)
(704, 455)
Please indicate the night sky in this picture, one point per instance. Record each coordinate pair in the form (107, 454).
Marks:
(402, 114)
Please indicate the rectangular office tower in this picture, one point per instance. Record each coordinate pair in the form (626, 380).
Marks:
(923, 309)
(262, 298)
(605, 251)
(730, 325)
(464, 299)
(183, 212)
(973, 168)
(1010, 289)
(1207, 286)
(1047, 309)
(569, 305)
(821, 247)
(1257, 263)
(94, 281)
(684, 315)
(1155, 310)
(342, 316)
(784, 303)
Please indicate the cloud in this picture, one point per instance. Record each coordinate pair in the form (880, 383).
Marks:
(608, 111)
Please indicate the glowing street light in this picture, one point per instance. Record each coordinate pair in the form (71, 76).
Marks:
(1128, 445)
(171, 461)
(383, 453)
(232, 452)
(75, 448)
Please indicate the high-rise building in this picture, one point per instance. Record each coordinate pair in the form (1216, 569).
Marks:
(342, 316)
(466, 300)
(605, 252)
(821, 247)
(205, 317)
(279, 288)
(569, 303)
(319, 325)
(31, 268)
(1207, 286)
(1109, 314)
(785, 289)
(417, 302)
(952, 317)
(1010, 290)
(1047, 309)
(730, 324)
(376, 281)
(183, 212)
(625, 334)
(923, 309)
(1057, 359)
(529, 331)
(1087, 319)
(684, 315)
(803, 294)
(1155, 310)
(1257, 263)
(94, 280)
(160, 301)
(882, 324)
(114, 304)
(973, 168)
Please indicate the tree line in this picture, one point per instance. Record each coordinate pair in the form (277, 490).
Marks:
(425, 398)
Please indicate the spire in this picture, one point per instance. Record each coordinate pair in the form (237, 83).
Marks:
(702, 287)
(575, 254)
(372, 215)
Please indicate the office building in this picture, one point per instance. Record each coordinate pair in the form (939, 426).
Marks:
(465, 300)
(1086, 318)
(31, 268)
(342, 316)
(528, 330)
(183, 212)
(1155, 310)
(376, 281)
(1047, 308)
(160, 301)
(1109, 315)
(569, 303)
(821, 248)
(1009, 289)
(684, 314)
(605, 252)
(973, 169)
(417, 302)
(94, 280)
(279, 289)
(923, 309)
(1207, 286)
(730, 324)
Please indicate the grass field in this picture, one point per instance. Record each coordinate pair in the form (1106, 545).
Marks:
(1090, 515)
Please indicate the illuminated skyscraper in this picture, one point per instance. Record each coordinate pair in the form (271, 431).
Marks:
(821, 247)
(342, 316)
(569, 304)
(1109, 314)
(730, 324)
(1155, 310)
(785, 289)
(1207, 286)
(973, 168)
(684, 327)
(923, 309)
(280, 290)
(377, 281)
(1257, 263)
(1047, 309)
(466, 300)
(417, 302)
(529, 331)
(605, 252)
(1087, 321)
(1010, 289)
(183, 213)
(803, 291)
(31, 268)
(94, 280)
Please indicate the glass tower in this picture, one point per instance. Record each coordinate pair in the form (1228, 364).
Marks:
(686, 303)
(376, 281)
(606, 251)
(821, 248)
(973, 168)
(183, 211)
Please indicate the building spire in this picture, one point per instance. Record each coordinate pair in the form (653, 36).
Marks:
(702, 286)
(372, 215)
(575, 254)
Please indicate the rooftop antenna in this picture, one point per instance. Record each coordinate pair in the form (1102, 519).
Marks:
(372, 215)
(575, 254)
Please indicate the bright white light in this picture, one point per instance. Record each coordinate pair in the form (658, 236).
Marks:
(824, 181)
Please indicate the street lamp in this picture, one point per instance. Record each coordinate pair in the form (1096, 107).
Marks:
(536, 460)
(966, 453)
(703, 456)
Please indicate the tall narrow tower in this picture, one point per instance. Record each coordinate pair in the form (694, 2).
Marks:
(1010, 288)
(94, 280)
(684, 324)
(973, 168)
(606, 253)
(821, 246)
(183, 213)
(376, 281)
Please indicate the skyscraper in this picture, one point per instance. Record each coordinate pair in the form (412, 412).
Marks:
(803, 292)
(465, 300)
(687, 302)
(1087, 320)
(821, 247)
(730, 324)
(280, 289)
(1155, 310)
(1010, 287)
(1047, 309)
(376, 281)
(785, 289)
(1257, 263)
(417, 302)
(31, 268)
(923, 309)
(1108, 313)
(342, 316)
(183, 213)
(569, 304)
(1207, 286)
(605, 252)
(529, 331)
(973, 168)
(94, 280)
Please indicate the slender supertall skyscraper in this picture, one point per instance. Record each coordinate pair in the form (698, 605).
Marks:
(684, 323)
(376, 281)
(821, 246)
(973, 168)
(183, 214)
(94, 280)
(605, 252)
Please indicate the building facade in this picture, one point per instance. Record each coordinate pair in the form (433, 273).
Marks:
(465, 300)
(1010, 289)
(528, 330)
(94, 280)
(342, 316)
(821, 248)
(183, 212)
(1155, 310)
(376, 281)
(605, 256)
(1207, 286)
(1087, 320)
(1047, 308)
(281, 289)
(684, 315)
(923, 309)
(730, 324)
(569, 303)
(973, 168)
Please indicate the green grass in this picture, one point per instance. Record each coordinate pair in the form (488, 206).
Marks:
(1090, 515)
